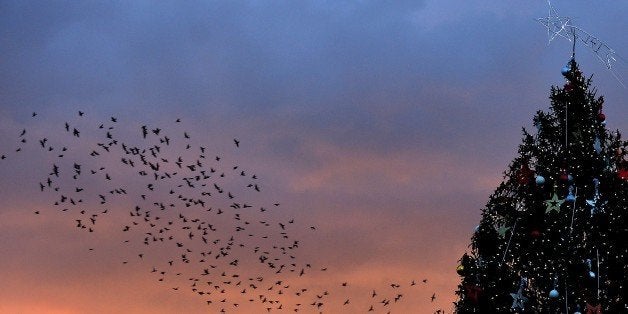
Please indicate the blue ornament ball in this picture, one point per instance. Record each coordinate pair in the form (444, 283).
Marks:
(553, 294)
(591, 274)
(570, 198)
(540, 180)
(565, 70)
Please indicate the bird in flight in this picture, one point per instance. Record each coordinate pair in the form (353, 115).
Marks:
(188, 219)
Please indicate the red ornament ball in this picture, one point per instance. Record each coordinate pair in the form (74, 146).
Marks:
(568, 87)
(536, 233)
(601, 117)
(474, 293)
(564, 177)
(524, 175)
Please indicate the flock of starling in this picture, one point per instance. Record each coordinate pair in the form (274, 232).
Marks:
(199, 223)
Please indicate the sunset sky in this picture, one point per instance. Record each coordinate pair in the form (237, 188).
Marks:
(380, 127)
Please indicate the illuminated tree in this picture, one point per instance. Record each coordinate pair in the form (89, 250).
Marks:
(553, 237)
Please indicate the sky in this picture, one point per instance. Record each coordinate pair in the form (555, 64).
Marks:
(381, 128)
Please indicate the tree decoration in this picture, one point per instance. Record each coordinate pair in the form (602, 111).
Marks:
(518, 300)
(568, 87)
(502, 229)
(585, 248)
(536, 233)
(622, 172)
(591, 273)
(597, 145)
(570, 196)
(565, 70)
(593, 203)
(553, 204)
(525, 175)
(466, 264)
(561, 26)
(473, 293)
(565, 177)
(597, 309)
(460, 270)
(553, 294)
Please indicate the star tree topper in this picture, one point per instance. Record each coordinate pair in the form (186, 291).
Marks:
(561, 26)
(556, 25)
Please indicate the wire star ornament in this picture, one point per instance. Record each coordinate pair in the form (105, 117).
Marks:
(553, 204)
(561, 26)
(556, 25)
(502, 229)
(518, 299)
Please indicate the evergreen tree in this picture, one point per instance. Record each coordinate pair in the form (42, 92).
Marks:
(553, 237)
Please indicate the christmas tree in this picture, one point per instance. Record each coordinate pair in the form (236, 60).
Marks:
(553, 237)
